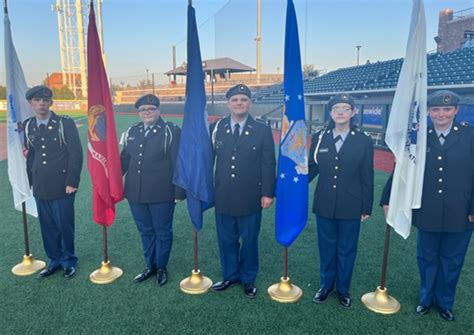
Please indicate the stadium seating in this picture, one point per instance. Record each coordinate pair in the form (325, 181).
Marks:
(454, 68)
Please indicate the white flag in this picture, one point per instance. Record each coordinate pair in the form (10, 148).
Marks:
(406, 130)
(18, 110)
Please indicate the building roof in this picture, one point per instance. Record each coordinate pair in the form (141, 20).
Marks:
(218, 65)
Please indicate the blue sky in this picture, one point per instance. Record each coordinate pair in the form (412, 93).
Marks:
(139, 34)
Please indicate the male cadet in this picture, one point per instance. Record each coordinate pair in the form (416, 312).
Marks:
(446, 217)
(148, 160)
(54, 163)
(244, 184)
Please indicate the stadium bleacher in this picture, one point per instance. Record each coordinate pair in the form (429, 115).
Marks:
(454, 68)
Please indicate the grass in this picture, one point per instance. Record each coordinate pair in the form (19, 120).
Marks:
(30, 305)
(75, 114)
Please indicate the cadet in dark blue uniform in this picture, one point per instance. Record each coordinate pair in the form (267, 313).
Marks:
(342, 156)
(446, 218)
(244, 184)
(54, 163)
(148, 160)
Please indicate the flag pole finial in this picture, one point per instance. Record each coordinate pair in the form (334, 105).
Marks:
(5, 7)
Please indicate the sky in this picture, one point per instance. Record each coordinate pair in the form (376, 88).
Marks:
(140, 34)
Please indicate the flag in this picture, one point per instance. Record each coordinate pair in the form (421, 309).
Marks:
(103, 159)
(194, 166)
(406, 130)
(18, 110)
(291, 210)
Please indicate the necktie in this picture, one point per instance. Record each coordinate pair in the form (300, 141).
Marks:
(338, 142)
(147, 130)
(236, 132)
(442, 138)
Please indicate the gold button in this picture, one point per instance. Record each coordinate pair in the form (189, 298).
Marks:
(440, 169)
(42, 138)
(43, 147)
(141, 145)
(336, 167)
(43, 154)
(233, 158)
(232, 167)
(140, 154)
(440, 191)
(44, 162)
(138, 171)
(440, 180)
(337, 158)
(335, 177)
(440, 157)
(139, 163)
(334, 186)
(232, 175)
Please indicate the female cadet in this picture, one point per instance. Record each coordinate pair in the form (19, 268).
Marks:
(342, 155)
(446, 218)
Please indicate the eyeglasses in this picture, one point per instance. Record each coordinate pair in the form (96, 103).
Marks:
(343, 110)
(147, 110)
(41, 99)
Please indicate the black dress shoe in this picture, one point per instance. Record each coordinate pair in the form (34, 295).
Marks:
(447, 314)
(345, 300)
(250, 290)
(422, 309)
(161, 277)
(47, 272)
(222, 285)
(69, 272)
(147, 273)
(322, 295)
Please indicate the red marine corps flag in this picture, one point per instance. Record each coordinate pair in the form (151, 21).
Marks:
(103, 159)
(102, 148)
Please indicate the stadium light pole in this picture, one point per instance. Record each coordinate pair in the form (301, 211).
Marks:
(358, 53)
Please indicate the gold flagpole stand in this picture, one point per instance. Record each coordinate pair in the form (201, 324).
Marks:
(380, 301)
(284, 291)
(106, 273)
(28, 265)
(196, 283)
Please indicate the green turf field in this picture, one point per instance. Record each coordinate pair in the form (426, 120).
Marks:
(31, 305)
(75, 114)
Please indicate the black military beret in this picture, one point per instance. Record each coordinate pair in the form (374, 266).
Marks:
(238, 89)
(148, 99)
(341, 98)
(40, 91)
(443, 98)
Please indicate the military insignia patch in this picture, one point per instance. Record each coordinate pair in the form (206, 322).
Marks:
(446, 99)
(96, 123)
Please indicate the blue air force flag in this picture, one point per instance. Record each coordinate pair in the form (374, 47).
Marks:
(291, 211)
(18, 110)
(406, 130)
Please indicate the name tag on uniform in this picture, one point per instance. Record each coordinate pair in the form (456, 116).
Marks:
(323, 150)
(131, 138)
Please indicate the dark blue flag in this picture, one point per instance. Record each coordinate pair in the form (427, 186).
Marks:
(194, 165)
(292, 177)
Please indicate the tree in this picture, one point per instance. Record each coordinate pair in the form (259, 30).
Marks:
(62, 93)
(309, 71)
(3, 93)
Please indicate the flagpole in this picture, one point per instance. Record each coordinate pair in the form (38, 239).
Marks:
(28, 265)
(284, 291)
(380, 301)
(195, 238)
